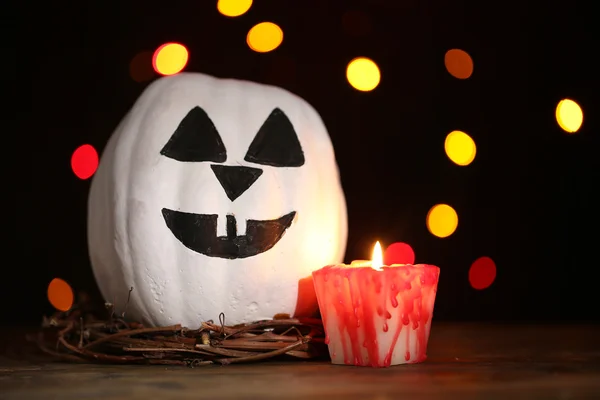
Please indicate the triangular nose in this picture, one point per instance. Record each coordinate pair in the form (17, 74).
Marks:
(235, 180)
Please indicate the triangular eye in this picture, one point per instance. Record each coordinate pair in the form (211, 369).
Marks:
(195, 139)
(276, 143)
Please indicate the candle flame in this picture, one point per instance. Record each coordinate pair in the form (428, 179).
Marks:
(377, 258)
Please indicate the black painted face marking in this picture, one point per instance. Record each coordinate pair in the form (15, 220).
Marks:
(276, 143)
(198, 232)
(195, 139)
(235, 180)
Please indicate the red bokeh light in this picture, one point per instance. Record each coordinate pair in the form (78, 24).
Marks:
(482, 273)
(84, 161)
(399, 253)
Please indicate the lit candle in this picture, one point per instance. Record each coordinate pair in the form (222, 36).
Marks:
(376, 315)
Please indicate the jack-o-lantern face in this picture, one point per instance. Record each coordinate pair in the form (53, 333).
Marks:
(215, 195)
(196, 139)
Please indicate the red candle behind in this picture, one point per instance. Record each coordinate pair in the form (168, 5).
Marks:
(376, 315)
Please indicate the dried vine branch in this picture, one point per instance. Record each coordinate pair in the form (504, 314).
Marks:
(78, 336)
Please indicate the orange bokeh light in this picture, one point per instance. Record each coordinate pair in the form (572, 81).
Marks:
(60, 294)
(458, 63)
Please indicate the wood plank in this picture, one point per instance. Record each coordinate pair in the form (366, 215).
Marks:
(466, 361)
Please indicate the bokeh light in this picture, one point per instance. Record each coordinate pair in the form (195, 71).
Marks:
(458, 63)
(60, 294)
(363, 74)
(140, 67)
(460, 148)
(482, 273)
(399, 253)
(233, 8)
(442, 220)
(170, 58)
(264, 37)
(569, 115)
(84, 161)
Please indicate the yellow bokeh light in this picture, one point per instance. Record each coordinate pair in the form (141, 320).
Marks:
(569, 115)
(460, 148)
(264, 37)
(60, 294)
(363, 74)
(170, 58)
(442, 220)
(458, 63)
(233, 8)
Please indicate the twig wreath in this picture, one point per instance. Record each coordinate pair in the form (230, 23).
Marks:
(78, 336)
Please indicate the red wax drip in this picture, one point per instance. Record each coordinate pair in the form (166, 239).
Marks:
(365, 302)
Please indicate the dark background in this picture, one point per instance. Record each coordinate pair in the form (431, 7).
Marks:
(528, 200)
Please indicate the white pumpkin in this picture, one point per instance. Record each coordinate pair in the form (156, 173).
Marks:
(215, 195)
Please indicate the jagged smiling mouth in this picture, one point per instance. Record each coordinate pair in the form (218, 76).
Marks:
(198, 232)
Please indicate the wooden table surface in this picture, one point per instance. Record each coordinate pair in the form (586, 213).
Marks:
(466, 361)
